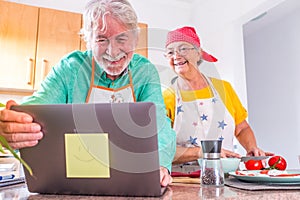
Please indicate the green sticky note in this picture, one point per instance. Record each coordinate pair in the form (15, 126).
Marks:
(87, 155)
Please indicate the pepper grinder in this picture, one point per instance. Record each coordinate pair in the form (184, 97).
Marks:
(211, 169)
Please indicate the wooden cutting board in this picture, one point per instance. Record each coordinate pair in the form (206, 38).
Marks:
(186, 180)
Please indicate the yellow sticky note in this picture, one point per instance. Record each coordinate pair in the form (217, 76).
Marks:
(87, 155)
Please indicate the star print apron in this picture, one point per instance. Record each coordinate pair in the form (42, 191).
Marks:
(100, 94)
(202, 119)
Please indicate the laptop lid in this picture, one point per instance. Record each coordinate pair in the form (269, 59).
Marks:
(94, 149)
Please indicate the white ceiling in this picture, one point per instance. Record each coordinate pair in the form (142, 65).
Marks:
(190, 1)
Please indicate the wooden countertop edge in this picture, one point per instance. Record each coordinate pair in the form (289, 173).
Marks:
(185, 180)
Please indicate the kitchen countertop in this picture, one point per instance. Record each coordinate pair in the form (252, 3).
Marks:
(181, 188)
(174, 191)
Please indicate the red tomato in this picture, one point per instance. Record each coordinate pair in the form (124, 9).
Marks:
(254, 165)
(277, 162)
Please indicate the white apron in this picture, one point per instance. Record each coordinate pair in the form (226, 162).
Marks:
(100, 94)
(203, 119)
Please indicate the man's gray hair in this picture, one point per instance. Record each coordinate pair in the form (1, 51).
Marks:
(96, 9)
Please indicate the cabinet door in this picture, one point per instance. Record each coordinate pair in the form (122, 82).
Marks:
(18, 30)
(142, 47)
(58, 35)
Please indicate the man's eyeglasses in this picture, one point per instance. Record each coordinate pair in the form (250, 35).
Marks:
(183, 51)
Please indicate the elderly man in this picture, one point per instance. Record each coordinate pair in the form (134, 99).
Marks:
(108, 68)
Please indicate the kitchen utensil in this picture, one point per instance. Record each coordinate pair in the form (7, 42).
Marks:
(246, 158)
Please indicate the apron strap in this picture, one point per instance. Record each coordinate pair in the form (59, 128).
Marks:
(92, 81)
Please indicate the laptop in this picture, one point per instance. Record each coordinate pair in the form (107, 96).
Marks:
(94, 149)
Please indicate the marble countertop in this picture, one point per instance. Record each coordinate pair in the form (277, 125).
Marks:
(179, 189)
(174, 191)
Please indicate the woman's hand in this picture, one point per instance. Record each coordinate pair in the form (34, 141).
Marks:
(18, 128)
(255, 151)
(165, 177)
(229, 154)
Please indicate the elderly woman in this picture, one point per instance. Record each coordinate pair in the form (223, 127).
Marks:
(202, 107)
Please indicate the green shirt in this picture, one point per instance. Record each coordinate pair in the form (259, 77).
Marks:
(69, 82)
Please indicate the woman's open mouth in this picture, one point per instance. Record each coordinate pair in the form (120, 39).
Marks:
(180, 63)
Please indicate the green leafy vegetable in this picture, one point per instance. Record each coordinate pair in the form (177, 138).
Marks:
(6, 145)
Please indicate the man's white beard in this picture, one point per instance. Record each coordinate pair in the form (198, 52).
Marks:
(113, 59)
(115, 72)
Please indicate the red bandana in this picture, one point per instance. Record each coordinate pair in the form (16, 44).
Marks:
(188, 34)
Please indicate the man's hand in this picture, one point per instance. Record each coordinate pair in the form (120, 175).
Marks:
(165, 177)
(18, 128)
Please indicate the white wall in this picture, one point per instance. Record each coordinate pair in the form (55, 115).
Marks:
(273, 69)
(219, 23)
(161, 17)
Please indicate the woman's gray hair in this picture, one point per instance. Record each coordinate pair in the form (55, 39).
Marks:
(96, 9)
(201, 60)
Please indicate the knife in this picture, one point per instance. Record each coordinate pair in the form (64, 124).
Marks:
(246, 158)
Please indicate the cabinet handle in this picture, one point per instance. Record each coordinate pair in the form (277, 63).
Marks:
(43, 69)
(29, 71)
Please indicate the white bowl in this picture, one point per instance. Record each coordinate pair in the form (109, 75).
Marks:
(230, 164)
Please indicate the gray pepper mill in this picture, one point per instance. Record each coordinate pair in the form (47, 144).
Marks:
(211, 169)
